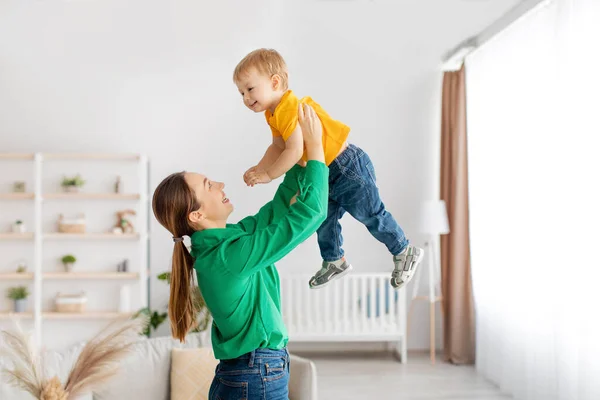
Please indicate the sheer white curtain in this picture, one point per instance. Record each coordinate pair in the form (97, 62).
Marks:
(533, 110)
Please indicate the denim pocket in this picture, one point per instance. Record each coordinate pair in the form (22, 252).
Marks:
(231, 390)
(350, 172)
(275, 369)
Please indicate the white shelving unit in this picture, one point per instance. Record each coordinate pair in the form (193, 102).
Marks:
(40, 239)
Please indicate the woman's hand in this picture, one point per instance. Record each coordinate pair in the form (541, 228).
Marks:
(312, 132)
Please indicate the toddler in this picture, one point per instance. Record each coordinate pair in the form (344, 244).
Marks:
(262, 80)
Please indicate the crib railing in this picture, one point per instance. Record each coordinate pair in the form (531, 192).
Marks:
(357, 307)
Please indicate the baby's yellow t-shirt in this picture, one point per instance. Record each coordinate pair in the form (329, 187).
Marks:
(283, 122)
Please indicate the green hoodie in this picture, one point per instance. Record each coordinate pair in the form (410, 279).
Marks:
(235, 265)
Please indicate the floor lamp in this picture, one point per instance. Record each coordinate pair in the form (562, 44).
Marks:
(433, 222)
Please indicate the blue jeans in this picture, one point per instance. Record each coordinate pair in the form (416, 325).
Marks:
(261, 374)
(352, 188)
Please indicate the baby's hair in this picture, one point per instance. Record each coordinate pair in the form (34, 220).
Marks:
(266, 61)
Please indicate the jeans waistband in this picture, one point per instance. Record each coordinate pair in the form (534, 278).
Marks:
(262, 353)
(351, 152)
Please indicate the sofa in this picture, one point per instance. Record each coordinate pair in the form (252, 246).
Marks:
(159, 369)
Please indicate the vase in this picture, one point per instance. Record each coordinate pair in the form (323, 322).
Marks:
(20, 305)
(18, 228)
(68, 266)
(72, 189)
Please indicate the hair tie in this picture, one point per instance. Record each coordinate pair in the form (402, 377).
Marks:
(177, 239)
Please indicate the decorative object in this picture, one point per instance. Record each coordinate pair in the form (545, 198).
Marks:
(72, 184)
(123, 225)
(118, 185)
(433, 222)
(75, 225)
(192, 373)
(97, 363)
(19, 294)
(19, 187)
(123, 266)
(68, 261)
(125, 299)
(19, 227)
(21, 267)
(70, 303)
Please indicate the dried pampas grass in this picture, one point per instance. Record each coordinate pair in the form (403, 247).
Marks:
(97, 363)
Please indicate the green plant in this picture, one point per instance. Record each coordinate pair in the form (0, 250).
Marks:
(155, 319)
(68, 259)
(17, 293)
(73, 181)
(21, 269)
(18, 222)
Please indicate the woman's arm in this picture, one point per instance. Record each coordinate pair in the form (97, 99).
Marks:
(264, 246)
(286, 190)
(247, 254)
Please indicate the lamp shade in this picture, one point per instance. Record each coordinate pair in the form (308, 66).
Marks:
(433, 218)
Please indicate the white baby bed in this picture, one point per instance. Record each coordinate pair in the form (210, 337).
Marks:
(353, 312)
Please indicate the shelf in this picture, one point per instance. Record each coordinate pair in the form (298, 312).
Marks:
(16, 236)
(92, 236)
(86, 315)
(42, 237)
(91, 156)
(91, 196)
(16, 156)
(15, 276)
(90, 275)
(16, 196)
(9, 315)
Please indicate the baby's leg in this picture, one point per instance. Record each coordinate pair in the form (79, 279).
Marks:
(329, 236)
(358, 194)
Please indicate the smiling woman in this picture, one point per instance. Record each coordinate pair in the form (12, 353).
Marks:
(234, 266)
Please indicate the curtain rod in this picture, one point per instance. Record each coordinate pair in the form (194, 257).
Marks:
(454, 58)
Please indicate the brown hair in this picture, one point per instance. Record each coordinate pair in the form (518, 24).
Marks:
(172, 202)
(266, 61)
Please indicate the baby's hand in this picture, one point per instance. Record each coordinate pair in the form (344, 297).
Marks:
(247, 173)
(255, 177)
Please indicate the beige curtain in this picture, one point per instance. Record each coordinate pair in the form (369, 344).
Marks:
(459, 318)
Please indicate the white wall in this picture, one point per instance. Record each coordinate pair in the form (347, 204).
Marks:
(155, 77)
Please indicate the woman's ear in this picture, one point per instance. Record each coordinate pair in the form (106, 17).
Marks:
(197, 216)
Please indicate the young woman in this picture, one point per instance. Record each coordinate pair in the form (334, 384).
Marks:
(234, 266)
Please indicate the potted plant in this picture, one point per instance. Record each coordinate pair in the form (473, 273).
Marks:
(73, 184)
(21, 267)
(68, 262)
(19, 227)
(19, 295)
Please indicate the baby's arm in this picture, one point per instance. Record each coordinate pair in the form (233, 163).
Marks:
(272, 154)
(294, 147)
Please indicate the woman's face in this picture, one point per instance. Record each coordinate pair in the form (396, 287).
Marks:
(214, 205)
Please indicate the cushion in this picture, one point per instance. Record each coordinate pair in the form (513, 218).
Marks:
(192, 372)
(145, 373)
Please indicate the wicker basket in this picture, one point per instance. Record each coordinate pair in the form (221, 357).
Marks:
(74, 303)
(76, 225)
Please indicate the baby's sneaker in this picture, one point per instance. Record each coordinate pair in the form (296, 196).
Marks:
(405, 265)
(330, 271)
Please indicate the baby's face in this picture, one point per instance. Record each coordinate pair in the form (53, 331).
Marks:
(258, 90)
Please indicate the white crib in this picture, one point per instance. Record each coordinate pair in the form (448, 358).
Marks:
(362, 307)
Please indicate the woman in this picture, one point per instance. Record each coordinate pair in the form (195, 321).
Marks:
(234, 266)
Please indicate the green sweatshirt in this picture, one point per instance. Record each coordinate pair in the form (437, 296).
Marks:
(235, 265)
